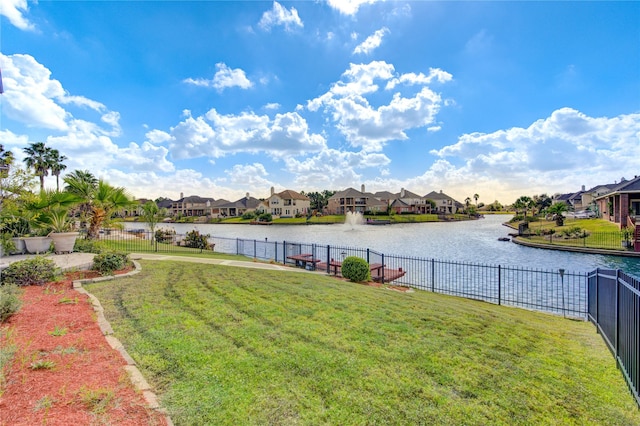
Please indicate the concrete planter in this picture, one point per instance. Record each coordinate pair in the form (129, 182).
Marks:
(20, 247)
(63, 242)
(37, 245)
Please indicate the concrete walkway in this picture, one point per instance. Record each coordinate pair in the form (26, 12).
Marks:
(66, 262)
(80, 261)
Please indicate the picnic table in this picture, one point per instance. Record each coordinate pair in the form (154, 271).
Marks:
(303, 259)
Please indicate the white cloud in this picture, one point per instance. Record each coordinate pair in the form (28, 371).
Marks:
(332, 168)
(556, 154)
(30, 95)
(249, 176)
(224, 78)
(279, 15)
(216, 135)
(372, 42)
(157, 136)
(272, 106)
(370, 127)
(14, 11)
(349, 7)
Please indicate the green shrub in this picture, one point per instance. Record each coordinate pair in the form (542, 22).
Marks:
(9, 301)
(195, 239)
(249, 216)
(35, 271)
(165, 235)
(266, 217)
(110, 261)
(83, 245)
(356, 269)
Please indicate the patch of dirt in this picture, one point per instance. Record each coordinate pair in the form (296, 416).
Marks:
(64, 372)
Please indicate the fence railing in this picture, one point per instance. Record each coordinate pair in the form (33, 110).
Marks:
(614, 308)
(559, 292)
(597, 240)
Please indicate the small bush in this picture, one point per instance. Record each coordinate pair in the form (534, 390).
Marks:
(9, 301)
(249, 216)
(195, 239)
(266, 217)
(35, 271)
(165, 235)
(88, 246)
(107, 262)
(356, 269)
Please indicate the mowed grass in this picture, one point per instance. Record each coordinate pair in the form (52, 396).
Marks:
(231, 346)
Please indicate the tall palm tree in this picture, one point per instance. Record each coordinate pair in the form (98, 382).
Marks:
(475, 197)
(56, 165)
(38, 158)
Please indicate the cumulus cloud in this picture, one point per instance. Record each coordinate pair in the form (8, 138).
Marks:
(224, 78)
(333, 168)
(370, 127)
(372, 42)
(349, 7)
(249, 176)
(30, 95)
(14, 11)
(279, 15)
(216, 135)
(555, 154)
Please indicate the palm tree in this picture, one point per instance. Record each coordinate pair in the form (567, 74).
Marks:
(84, 184)
(152, 214)
(475, 197)
(6, 160)
(467, 201)
(56, 166)
(38, 158)
(105, 201)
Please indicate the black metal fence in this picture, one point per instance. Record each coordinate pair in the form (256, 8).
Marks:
(579, 238)
(559, 292)
(614, 308)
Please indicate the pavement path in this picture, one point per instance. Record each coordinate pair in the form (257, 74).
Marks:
(79, 261)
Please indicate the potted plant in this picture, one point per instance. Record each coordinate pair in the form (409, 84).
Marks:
(7, 246)
(51, 219)
(16, 227)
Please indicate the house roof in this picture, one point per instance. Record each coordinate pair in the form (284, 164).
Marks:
(195, 199)
(626, 186)
(408, 194)
(399, 203)
(243, 203)
(433, 195)
(289, 194)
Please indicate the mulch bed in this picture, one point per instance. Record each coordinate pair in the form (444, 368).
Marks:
(63, 371)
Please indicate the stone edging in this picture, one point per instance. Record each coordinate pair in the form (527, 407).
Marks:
(136, 377)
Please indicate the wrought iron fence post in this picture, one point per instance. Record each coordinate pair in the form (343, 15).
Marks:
(617, 311)
(382, 280)
(275, 256)
(328, 259)
(237, 245)
(433, 275)
(561, 271)
(499, 285)
(284, 252)
(255, 249)
(368, 257)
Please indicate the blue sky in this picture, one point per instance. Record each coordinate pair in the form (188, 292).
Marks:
(218, 99)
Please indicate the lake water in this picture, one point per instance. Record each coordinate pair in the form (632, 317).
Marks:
(468, 241)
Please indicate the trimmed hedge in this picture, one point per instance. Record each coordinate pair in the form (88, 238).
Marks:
(356, 269)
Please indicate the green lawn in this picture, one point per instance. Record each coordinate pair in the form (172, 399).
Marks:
(231, 346)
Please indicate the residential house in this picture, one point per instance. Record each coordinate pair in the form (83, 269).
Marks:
(287, 203)
(352, 200)
(621, 204)
(416, 203)
(239, 207)
(192, 205)
(444, 203)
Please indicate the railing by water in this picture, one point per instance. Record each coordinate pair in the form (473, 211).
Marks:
(555, 291)
(614, 308)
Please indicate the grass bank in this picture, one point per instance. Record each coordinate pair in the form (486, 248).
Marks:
(234, 346)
